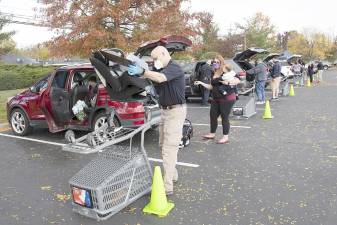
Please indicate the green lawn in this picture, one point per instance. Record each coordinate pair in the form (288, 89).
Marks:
(4, 95)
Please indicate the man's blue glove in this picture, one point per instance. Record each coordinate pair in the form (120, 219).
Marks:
(135, 70)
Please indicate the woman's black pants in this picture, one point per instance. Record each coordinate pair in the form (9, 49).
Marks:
(223, 109)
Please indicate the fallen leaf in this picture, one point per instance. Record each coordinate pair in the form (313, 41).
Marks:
(45, 188)
(62, 197)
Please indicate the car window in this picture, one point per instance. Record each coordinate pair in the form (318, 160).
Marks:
(284, 64)
(84, 77)
(42, 84)
(233, 64)
(60, 79)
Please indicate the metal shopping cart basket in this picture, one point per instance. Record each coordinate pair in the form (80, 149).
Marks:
(118, 176)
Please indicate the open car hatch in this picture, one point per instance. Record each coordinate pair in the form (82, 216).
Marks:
(249, 53)
(173, 43)
(271, 56)
(111, 68)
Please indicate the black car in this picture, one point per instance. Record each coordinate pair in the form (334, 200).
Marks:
(240, 64)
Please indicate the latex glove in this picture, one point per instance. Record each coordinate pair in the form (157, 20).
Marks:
(197, 83)
(135, 70)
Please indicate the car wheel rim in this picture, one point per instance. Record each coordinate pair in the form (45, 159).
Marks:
(100, 123)
(18, 122)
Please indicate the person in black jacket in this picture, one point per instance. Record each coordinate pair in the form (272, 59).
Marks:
(320, 69)
(276, 79)
(311, 72)
(206, 73)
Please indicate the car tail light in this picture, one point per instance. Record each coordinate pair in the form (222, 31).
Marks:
(131, 110)
(242, 74)
(138, 122)
(163, 40)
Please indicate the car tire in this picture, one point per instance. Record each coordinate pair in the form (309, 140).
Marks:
(325, 67)
(19, 122)
(100, 119)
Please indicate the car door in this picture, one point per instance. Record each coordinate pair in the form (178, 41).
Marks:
(56, 102)
(34, 98)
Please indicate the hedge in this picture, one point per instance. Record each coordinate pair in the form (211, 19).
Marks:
(21, 76)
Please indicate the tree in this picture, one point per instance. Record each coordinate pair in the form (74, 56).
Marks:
(311, 44)
(6, 43)
(39, 52)
(298, 44)
(258, 32)
(88, 25)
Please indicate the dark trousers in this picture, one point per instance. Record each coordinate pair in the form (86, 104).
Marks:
(223, 109)
(204, 95)
(311, 77)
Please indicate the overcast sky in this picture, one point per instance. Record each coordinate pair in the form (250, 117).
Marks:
(285, 14)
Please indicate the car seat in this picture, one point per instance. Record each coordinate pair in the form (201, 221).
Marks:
(119, 85)
(79, 91)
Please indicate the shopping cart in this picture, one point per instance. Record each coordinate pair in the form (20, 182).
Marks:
(118, 176)
(107, 135)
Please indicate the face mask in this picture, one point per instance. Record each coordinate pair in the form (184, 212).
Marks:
(158, 64)
(216, 66)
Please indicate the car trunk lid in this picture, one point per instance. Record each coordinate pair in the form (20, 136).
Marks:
(270, 57)
(249, 53)
(173, 43)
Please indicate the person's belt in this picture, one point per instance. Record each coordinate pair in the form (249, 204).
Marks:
(171, 106)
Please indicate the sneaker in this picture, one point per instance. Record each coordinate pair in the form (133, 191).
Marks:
(259, 103)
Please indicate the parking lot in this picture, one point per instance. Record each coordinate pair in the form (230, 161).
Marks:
(278, 171)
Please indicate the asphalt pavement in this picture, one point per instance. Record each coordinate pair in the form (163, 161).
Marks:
(277, 171)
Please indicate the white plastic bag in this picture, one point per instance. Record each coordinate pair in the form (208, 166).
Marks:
(78, 110)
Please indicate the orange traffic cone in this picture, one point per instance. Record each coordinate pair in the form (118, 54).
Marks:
(158, 204)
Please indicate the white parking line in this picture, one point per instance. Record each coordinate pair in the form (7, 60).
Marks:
(33, 139)
(204, 124)
(61, 144)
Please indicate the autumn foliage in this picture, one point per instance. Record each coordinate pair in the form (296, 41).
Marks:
(85, 25)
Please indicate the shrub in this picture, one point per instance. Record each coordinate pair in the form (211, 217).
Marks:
(21, 76)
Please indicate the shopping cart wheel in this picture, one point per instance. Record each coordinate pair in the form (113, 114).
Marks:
(91, 140)
(70, 136)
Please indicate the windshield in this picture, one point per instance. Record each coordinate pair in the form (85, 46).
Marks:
(235, 66)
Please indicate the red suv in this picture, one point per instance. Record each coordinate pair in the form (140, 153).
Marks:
(49, 102)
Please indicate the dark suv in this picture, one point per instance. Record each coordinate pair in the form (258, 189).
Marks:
(49, 102)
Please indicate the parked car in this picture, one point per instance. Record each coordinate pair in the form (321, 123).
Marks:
(243, 60)
(326, 64)
(286, 66)
(49, 102)
(240, 63)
